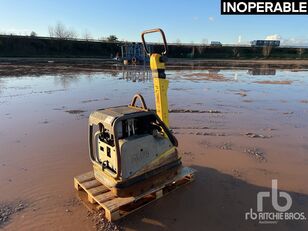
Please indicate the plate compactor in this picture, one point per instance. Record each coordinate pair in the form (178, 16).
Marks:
(131, 147)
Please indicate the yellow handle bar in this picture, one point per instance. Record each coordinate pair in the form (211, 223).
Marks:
(154, 31)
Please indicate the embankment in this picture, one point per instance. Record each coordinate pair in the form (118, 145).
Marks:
(39, 47)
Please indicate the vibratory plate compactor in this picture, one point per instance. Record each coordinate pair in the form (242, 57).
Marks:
(132, 149)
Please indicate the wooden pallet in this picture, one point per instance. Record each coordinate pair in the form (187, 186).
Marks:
(118, 207)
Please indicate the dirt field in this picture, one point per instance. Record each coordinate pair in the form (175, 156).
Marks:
(239, 126)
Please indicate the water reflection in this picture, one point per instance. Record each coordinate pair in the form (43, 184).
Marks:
(262, 71)
(136, 75)
(252, 71)
(129, 73)
(143, 74)
(66, 80)
(65, 77)
(1, 85)
(214, 71)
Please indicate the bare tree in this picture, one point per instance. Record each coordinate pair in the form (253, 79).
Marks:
(204, 41)
(51, 31)
(87, 35)
(60, 31)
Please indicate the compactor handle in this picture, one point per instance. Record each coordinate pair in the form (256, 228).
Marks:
(133, 103)
(154, 31)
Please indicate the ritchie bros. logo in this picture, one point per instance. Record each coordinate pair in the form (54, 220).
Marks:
(281, 210)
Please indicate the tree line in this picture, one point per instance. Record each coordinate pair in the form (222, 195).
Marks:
(60, 31)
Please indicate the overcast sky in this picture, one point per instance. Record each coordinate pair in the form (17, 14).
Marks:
(183, 20)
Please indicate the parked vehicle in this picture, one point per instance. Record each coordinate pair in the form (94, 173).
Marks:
(216, 44)
(265, 43)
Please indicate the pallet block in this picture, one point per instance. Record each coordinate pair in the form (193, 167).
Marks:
(118, 207)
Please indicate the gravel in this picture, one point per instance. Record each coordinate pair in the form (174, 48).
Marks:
(8, 209)
(101, 224)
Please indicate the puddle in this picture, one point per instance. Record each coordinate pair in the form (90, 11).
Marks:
(212, 107)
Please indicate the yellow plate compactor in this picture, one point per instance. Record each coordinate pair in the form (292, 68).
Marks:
(131, 147)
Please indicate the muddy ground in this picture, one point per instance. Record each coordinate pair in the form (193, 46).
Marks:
(239, 127)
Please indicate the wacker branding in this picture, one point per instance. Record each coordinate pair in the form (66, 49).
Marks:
(264, 7)
(281, 213)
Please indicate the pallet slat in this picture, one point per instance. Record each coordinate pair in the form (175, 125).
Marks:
(118, 202)
(104, 197)
(114, 206)
(85, 177)
(98, 190)
(91, 184)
